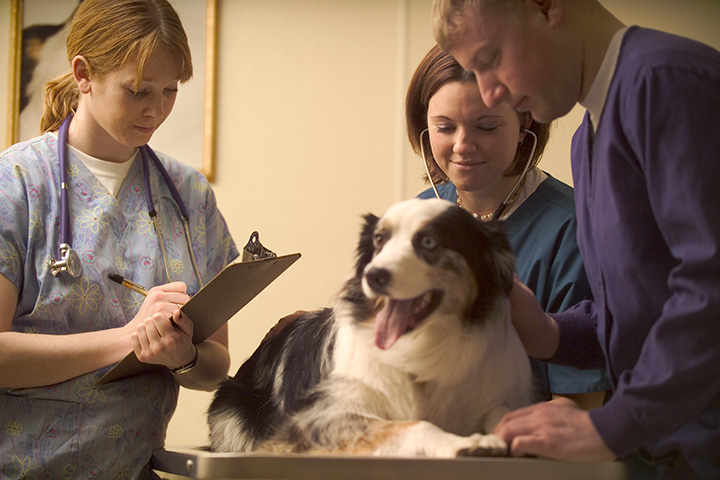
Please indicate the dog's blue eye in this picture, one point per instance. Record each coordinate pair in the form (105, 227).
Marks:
(429, 242)
(379, 239)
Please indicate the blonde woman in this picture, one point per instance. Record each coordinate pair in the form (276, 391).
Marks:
(78, 206)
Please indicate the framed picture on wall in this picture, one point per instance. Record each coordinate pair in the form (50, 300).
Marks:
(38, 48)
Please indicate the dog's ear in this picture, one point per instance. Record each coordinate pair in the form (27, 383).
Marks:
(504, 260)
(365, 248)
(506, 267)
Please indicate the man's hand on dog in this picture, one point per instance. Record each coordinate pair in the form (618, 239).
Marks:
(553, 431)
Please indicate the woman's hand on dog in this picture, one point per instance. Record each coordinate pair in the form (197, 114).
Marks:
(282, 323)
(553, 431)
(538, 331)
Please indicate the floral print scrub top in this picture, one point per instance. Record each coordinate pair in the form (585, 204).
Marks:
(77, 428)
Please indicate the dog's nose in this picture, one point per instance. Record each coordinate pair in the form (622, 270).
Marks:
(378, 279)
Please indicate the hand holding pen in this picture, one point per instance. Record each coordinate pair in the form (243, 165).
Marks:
(159, 333)
(135, 287)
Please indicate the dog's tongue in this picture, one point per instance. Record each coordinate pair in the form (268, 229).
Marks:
(392, 322)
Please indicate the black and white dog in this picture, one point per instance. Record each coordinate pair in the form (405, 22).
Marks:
(418, 357)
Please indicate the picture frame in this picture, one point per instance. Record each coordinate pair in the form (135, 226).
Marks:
(188, 134)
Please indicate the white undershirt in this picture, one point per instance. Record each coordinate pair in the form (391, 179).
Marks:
(110, 174)
(594, 100)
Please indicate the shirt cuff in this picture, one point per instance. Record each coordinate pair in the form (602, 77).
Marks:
(579, 346)
(618, 425)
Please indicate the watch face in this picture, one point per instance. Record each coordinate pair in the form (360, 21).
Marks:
(74, 265)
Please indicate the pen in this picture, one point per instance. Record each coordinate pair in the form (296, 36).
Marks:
(128, 284)
(135, 288)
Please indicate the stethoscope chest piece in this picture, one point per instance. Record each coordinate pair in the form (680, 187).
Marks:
(69, 262)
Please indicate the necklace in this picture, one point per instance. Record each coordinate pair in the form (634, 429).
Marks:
(484, 217)
(508, 202)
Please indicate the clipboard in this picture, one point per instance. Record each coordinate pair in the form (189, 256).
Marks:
(215, 303)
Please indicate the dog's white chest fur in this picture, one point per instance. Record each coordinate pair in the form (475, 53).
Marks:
(446, 380)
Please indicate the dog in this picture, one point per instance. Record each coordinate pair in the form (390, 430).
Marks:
(418, 357)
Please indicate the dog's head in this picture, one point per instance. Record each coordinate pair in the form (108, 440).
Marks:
(429, 257)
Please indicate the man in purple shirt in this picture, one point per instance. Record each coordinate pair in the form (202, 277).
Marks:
(646, 170)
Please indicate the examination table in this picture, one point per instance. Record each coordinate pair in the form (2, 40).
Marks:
(197, 463)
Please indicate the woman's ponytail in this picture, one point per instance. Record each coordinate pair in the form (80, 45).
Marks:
(60, 97)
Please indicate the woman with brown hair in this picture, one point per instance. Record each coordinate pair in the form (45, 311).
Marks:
(485, 160)
(86, 200)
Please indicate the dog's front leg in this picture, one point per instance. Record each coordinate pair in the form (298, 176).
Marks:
(424, 439)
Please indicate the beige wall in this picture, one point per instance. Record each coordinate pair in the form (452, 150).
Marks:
(310, 136)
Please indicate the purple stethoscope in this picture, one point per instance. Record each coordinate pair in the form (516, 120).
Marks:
(69, 260)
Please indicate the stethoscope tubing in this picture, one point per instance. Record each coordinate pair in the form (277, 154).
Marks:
(62, 149)
(145, 153)
(498, 213)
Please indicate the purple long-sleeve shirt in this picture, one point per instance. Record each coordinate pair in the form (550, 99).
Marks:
(647, 189)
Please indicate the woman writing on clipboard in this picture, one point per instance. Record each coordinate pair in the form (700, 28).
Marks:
(85, 200)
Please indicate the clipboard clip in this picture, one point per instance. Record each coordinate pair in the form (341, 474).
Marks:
(254, 250)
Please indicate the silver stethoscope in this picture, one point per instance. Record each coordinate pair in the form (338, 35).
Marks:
(499, 211)
(69, 259)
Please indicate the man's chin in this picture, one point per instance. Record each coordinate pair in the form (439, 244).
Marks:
(544, 116)
(549, 113)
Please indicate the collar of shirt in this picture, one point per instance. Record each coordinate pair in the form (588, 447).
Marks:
(533, 179)
(110, 174)
(594, 101)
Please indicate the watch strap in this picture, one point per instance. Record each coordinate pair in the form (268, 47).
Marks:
(186, 368)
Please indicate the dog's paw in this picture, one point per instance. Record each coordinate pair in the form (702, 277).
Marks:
(484, 446)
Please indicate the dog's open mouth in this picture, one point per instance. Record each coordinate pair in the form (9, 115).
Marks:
(398, 317)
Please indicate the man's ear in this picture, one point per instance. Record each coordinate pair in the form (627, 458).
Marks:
(81, 72)
(551, 9)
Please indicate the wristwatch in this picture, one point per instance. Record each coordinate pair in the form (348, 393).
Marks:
(188, 367)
